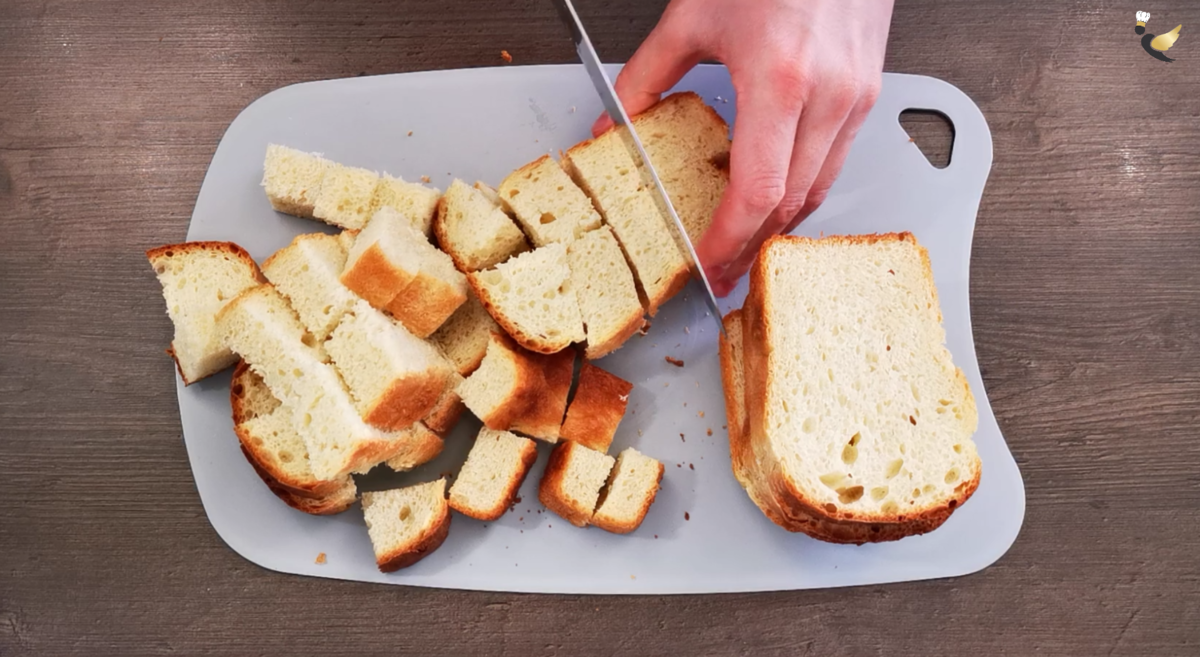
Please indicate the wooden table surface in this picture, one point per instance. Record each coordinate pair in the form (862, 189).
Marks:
(1085, 291)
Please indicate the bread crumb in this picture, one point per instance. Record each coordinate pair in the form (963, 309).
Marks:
(674, 361)
(681, 438)
(633, 577)
(687, 330)
(691, 466)
(321, 558)
(656, 536)
(410, 133)
(679, 465)
(687, 516)
(639, 433)
(710, 431)
(425, 179)
(701, 413)
(505, 56)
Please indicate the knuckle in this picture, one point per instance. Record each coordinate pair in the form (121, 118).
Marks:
(869, 91)
(762, 195)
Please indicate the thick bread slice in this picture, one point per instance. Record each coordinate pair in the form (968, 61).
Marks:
(406, 524)
(437, 290)
(198, 279)
(533, 298)
(572, 481)
(688, 142)
(416, 202)
(472, 228)
(394, 377)
(421, 446)
(608, 298)
(544, 417)
(631, 489)
(346, 197)
(875, 429)
(597, 409)
(292, 179)
(504, 386)
(464, 337)
(447, 409)
(306, 272)
(260, 327)
(492, 474)
(383, 260)
(548, 205)
(604, 168)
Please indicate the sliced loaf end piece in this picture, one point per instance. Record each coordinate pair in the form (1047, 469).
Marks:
(406, 524)
(489, 480)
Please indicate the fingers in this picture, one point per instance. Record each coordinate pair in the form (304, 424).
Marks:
(659, 63)
(832, 167)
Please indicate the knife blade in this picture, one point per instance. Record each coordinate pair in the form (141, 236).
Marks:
(616, 111)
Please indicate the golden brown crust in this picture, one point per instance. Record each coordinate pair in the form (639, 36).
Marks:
(598, 407)
(530, 380)
(419, 548)
(406, 400)
(544, 417)
(374, 278)
(425, 304)
(550, 489)
(617, 527)
(336, 501)
(419, 447)
(530, 342)
(445, 413)
(267, 466)
(528, 457)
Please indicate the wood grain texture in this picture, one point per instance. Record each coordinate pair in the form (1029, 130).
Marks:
(1086, 311)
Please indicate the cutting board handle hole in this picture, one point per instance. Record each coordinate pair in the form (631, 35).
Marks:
(932, 132)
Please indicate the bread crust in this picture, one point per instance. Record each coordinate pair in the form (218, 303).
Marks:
(419, 446)
(597, 409)
(614, 525)
(550, 488)
(530, 342)
(425, 304)
(419, 548)
(528, 457)
(405, 401)
(445, 413)
(374, 278)
(543, 418)
(530, 380)
(337, 501)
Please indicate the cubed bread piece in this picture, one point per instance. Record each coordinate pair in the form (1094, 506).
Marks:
(292, 179)
(446, 412)
(604, 168)
(416, 202)
(548, 205)
(434, 294)
(198, 279)
(384, 258)
(262, 328)
(631, 488)
(394, 377)
(347, 196)
(406, 524)
(306, 272)
(422, 445)
(608, 298)
(504, 386)
(544, 417)
(474, 230)
(492, 474)
(597, 409)
(533, 298)
(464, 337)
(571, 484)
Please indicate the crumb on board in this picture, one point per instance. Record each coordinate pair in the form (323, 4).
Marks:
(679, 465)
(710, 432)
(701, 413)
(572, 109)
(639, 433)
(410, 133)
(425, 179)
(674, 361)
(656, 536)
(687, 516)
(633, 577)
(682, 439)
(321, 558)
(505, 56)
(691, 466)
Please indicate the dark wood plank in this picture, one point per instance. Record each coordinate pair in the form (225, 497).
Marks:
(1085, 295)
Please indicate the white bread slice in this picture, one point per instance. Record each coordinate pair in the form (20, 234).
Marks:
(597, 408)
(631, 489)
(406, 524)
(504, 386)
(416, 202)
(604, 287)
(464, 337)
(422, 445)
(572, 481)
(306, 272)
(489, 480)
(547, 204)
(346, 197)
(856, 412)
(544, 417)
(384, 258)
(260, 327)
(292, 179)
(198, 279)
(447, 410)
(688, 142)
(394, 377)
(605, 169)
(533, 298)
(474, 230)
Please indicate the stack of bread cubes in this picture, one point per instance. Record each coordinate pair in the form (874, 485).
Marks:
(362, 349)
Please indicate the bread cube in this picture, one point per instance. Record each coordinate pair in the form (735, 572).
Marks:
(571, 484)
(474, 230)
(292, 179)
(346, 197)
(544, 417)
(597, 409)
(631, 489)
(416, 202)
(504, 386)
(607, 294)
(307, 273)
(406, 524)
(464, 337)
(549, 206)
(492, 475)
(533, 297)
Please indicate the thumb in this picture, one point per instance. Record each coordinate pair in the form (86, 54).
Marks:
(662, 59)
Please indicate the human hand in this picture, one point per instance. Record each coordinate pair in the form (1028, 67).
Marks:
(805, 72)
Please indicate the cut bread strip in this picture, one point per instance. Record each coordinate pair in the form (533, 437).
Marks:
(879, 441)
(597, 409)
(464, 337)
(292, 179)
(394, 377)
(532, 297)
(504, 386)
(474, 231)
(346, 197)
(571, 484)
(631, 489)
(260, 327)
(492, 474)
(544, 417)
(447, 409)
(306, 272)
(414, 201)
(548, 205)
(406, 524)
(607, 294)
(422, 445)
(198, 279)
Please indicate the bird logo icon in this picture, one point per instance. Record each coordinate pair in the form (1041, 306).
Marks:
(1156, 45)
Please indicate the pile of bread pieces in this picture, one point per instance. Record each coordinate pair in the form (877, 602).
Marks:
(362, 349)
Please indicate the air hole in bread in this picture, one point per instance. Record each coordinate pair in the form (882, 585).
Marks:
(833, 479)
(285, 456)
(893, 468)
(953, 503)
(170, 254)
(912, 420)
(916, 492)
(547, 218)
(850, 495)
(513, 192)
(405, 512)
(849, 454)
(890, 507)
(257, 441)
(902, 448)
(810, 424)
(830, 507)
(928, 489)
(958, 449)
(879, 492)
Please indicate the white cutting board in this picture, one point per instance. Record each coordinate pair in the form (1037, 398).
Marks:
(702, 534)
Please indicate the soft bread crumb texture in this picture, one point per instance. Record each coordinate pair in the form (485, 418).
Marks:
(292, 179)
(464, 337)
(571, 484)
(632, 486)
(492, 474)
(474, 230)
(548, 205)
(532, 296)
(306, 272)
(605, 289)
(406, 524)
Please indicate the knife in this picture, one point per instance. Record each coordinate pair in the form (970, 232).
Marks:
(616, 111)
